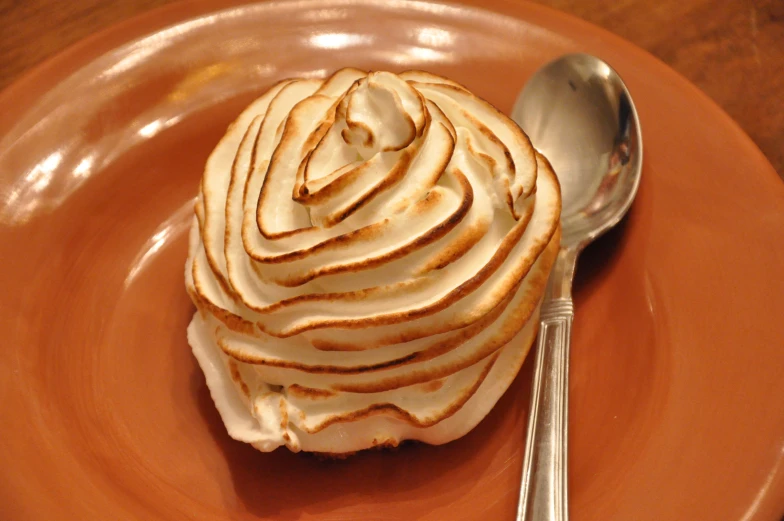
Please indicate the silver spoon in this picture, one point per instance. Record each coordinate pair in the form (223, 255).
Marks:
(579, 114)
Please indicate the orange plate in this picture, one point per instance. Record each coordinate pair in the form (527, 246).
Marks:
(678, 353)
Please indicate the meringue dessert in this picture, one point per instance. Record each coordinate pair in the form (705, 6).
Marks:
(367, 259)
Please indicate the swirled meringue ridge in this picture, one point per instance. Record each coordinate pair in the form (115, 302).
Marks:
(367, 257)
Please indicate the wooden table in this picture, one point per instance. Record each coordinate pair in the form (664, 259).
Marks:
(731, 49)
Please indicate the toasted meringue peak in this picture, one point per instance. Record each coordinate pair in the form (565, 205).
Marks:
(367, 257)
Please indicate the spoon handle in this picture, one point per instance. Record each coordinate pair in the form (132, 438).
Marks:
(543, 494)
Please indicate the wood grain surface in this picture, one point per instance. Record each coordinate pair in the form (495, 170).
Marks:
(731, 49)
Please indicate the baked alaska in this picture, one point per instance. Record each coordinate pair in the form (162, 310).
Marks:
(368, 256)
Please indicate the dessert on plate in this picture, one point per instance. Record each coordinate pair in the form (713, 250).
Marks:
(367, 259)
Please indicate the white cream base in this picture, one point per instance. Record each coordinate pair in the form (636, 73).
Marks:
(266, 432)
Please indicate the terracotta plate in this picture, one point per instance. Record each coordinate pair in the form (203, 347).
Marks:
(678, 356)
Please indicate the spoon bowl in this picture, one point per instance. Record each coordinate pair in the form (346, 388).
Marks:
(578, 112)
